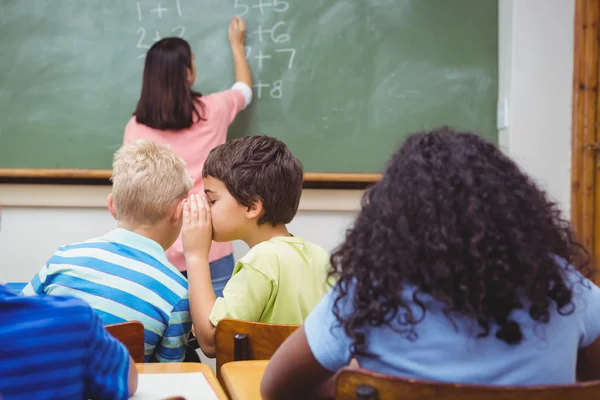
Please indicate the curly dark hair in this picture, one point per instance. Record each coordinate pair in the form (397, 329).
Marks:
(456, 219)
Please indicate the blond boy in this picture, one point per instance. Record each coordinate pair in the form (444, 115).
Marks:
(125, 275)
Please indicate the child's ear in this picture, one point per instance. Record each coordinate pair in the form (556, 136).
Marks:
(255, 209)
(111, 206)
(177, 214)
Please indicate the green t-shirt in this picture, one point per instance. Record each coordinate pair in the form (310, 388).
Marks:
(279, 281)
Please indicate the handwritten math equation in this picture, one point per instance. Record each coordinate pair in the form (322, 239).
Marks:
(276, 33)
(147, 37)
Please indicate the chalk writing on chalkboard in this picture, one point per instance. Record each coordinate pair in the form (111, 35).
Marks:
(277, 33)
(145, 39)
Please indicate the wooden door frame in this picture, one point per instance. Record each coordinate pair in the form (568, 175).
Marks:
(584, 180)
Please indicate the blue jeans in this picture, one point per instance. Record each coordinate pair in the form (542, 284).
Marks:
(220, 272)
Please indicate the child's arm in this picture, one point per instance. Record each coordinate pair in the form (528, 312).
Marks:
(174, 341)
(305, 365)
(244, 298)
(202, 301)
(246, 294)
(304, 378)
(197, 238)
(295, 373)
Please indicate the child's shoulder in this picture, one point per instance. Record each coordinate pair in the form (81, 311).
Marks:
(270, 252)
(93, 243)
(283, 244)
(263, 252)
(111, 249)
(316, 250)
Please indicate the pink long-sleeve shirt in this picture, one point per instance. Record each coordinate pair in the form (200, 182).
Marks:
(193, 145)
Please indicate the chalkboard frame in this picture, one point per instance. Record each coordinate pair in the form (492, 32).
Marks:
(585, 122)
(312, 180)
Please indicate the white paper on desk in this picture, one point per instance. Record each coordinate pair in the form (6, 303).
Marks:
(190, 386)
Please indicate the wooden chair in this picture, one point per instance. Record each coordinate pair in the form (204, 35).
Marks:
(131, 334)
(242, 340)
(366, 385)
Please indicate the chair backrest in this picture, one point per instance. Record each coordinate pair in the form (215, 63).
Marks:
(366, 385)
(131, 334)
(242, 340)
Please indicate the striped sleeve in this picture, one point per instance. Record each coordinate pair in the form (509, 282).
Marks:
(173, 344)
(36, 286)
(108, 365)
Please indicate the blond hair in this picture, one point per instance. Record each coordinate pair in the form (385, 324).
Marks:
(147, 179)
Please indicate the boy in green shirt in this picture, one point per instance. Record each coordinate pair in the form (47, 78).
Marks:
(252, 190)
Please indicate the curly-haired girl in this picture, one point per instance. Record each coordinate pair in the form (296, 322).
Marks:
(458, 268)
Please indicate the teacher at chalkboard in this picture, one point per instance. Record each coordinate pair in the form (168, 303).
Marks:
(170, 112)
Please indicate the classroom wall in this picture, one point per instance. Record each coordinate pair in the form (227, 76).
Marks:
(536, 76)
(29, 235)
(536, 57)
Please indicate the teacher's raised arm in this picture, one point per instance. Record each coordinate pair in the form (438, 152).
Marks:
(169, 111)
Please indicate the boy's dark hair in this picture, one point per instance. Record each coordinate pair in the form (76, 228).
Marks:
(259, 168)
(455, 219)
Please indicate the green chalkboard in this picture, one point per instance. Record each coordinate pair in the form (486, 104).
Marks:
(342, 82)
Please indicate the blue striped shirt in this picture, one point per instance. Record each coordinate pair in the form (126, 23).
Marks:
(124, 276)
(56, 348)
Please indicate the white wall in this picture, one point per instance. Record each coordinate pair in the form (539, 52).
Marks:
(30, 234)
(536, 76)
(536, 58)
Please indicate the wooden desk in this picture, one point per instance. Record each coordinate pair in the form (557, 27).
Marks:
(179, 368)
(242, 379)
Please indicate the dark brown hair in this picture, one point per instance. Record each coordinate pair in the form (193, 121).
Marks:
(259, 168)
(167, 100)
(455, 219)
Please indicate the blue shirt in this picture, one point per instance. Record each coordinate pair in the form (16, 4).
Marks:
(56, 348)
(124, 276)
(442, 352)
